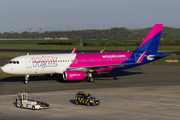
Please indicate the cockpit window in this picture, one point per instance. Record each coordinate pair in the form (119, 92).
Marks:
(14, 62)
(10, 62)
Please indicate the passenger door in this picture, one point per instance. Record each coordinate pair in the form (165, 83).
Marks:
(28, 62)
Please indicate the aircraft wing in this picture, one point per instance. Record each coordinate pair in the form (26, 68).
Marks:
(84, 68)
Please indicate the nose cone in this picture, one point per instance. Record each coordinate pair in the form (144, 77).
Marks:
(6, 69)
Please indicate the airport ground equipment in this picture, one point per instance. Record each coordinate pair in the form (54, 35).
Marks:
(86, 98)
(25, 101)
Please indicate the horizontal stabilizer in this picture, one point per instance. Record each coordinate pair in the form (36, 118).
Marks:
(159, 56)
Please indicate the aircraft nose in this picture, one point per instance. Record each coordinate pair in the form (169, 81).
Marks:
(2, 68)
(5, 69)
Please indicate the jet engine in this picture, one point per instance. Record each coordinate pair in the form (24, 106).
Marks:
(72, 75)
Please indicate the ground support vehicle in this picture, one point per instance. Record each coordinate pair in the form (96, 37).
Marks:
(25, 101)
(86, 98)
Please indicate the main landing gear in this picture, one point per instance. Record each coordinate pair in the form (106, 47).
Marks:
(26, 79)
(89, 78)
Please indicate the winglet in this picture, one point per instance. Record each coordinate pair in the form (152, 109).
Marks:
(103, 50)
(74, 50)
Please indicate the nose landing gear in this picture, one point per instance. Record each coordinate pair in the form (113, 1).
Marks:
(26, 79)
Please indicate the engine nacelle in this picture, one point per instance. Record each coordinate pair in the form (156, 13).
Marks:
(72, 75)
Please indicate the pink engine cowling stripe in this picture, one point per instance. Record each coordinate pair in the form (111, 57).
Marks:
(156, 29)
(98, 59)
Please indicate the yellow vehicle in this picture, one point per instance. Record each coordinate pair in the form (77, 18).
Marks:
(86, 98)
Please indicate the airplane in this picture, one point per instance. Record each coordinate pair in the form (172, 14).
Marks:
(80, 66)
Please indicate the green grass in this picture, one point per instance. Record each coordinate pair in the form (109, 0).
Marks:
(11, 54)
(6, 42)
(22, 41)
(5, 75)
(32, 41)
(65, 47)
(165, 29)
(169, 48)
(71, 47)
(14, 54)
(171, 57)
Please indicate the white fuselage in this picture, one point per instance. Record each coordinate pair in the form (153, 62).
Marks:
(39, 64)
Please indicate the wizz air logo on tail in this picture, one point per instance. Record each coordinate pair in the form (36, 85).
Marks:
(44, 61)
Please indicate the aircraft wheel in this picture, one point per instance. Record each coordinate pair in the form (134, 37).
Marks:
(33, 108)
(86, 80)
(91, 80)
(26, 79)
(88, 104)
(25, 82)
(21, 106)
(77, 103)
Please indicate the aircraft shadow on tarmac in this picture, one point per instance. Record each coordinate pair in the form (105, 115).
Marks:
(31, 78)
(114, 75)
(102, 76)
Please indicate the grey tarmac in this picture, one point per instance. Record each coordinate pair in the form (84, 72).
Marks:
(145, 92)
